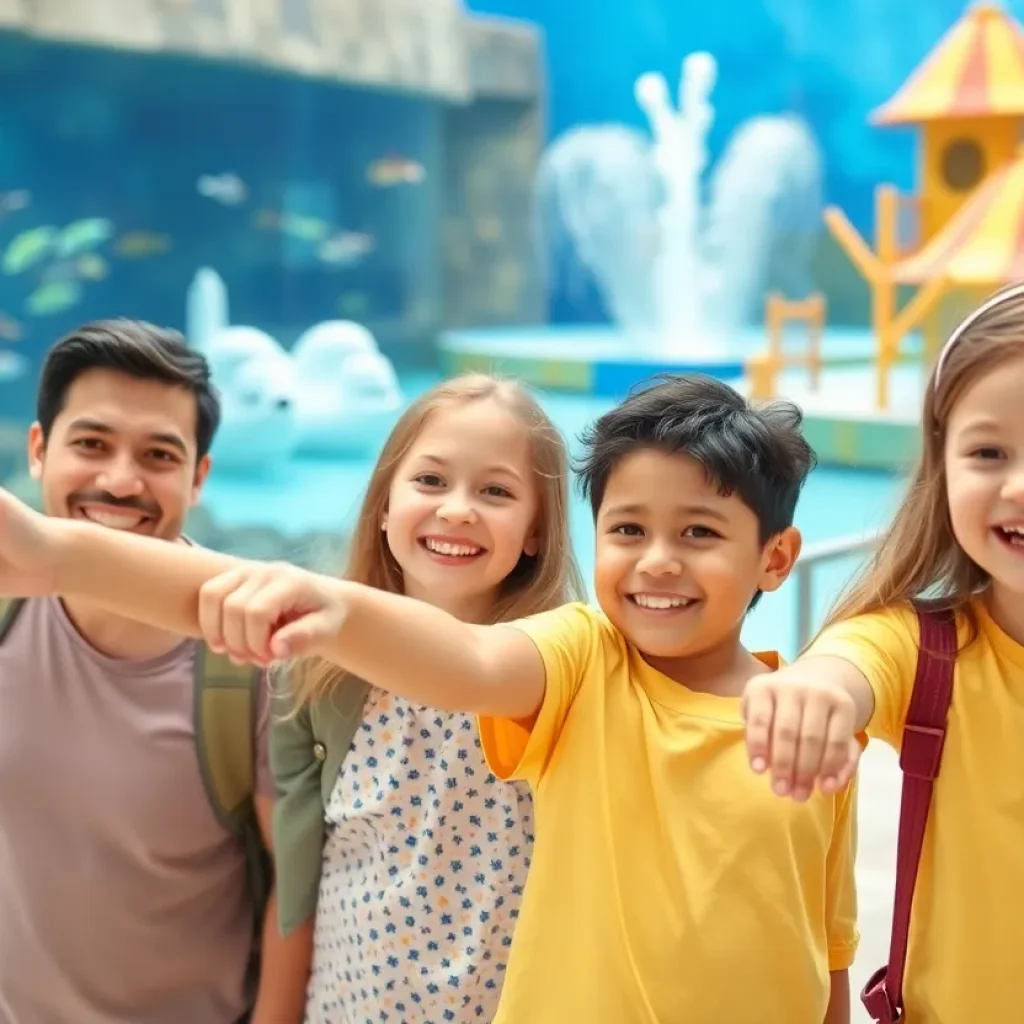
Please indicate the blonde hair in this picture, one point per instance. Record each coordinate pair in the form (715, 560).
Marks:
(539, 582)
(918, 556)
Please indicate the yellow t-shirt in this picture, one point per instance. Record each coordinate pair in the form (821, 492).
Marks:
(668, 884)
(967, 931)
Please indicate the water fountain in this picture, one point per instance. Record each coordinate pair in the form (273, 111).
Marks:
(680, 253)
(680, 157)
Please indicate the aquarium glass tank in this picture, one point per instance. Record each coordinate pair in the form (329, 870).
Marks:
(124, 173)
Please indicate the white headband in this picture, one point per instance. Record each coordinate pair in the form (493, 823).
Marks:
(1010, 292)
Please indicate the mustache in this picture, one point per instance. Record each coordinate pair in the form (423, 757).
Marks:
(146, 508)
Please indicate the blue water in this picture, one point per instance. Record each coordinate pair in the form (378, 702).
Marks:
(321, 495)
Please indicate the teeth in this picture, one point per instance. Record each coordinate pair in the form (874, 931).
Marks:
(444, 548)
(113, 520)
(1014, 534)
(1017, 531)
(661, 601)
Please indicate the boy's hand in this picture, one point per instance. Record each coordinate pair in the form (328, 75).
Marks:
(801, 727)
(265, 612)
(29, 545)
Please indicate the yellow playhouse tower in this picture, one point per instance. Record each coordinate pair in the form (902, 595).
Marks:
(964, 231)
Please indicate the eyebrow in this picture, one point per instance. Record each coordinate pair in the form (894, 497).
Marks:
(688, 510)
(982, 426)
(496, 468)
(99, 427)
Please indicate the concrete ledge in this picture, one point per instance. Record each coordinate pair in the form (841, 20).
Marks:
(429, 47)
(862, 442)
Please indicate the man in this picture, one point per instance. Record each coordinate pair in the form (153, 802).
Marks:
(123, 898)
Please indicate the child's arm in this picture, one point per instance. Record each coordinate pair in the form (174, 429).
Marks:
(802, 723)
(403, 645)
(838, 1011)
(285, 961)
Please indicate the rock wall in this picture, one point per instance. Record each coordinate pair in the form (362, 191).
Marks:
(488, 248)
(431, 47)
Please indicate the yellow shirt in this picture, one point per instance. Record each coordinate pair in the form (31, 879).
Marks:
(668, 885)
(967, 929)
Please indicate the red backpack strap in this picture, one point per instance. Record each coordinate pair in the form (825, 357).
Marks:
(923, 737)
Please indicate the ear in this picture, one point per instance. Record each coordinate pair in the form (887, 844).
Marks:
(384, 522)
(202, 472)
(532, 543)
(36, 451)
(780, 555)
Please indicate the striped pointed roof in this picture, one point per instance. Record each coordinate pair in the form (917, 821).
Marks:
(976, 70)
(983, 244)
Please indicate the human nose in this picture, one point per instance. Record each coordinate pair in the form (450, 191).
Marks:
(456, 507)
(660, 559)
(1013, 484)
(120, 477)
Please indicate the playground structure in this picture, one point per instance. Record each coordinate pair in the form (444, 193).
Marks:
(763, 370)
(962, 236)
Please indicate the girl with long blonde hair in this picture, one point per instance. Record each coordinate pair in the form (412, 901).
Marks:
(951, 564)
(425, 852)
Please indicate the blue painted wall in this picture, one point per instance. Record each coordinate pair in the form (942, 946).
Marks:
(832, 62)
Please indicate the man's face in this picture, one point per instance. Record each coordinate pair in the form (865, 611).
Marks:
(122, 453)
(678, 563)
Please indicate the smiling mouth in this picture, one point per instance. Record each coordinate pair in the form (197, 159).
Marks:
(451, 551)
(126, 519)
(663, 603)
(1011, 536)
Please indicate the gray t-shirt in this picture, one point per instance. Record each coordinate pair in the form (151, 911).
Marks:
(122, 899)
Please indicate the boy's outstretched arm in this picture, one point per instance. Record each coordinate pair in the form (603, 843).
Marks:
(402, 645)
(803, 722)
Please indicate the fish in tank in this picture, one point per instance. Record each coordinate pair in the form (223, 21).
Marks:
(121, 175)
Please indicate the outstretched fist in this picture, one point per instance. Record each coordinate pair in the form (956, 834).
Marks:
(801, 729)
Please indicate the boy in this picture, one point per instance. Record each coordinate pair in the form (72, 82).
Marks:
(668, 883)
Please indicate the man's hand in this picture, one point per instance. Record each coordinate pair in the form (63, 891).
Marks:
(29, 546)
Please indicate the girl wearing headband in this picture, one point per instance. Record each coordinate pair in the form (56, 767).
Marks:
(951, 564)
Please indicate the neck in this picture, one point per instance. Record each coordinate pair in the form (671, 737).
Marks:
(1007, 611)
(722, 670)
(474, 608)
(117, 637)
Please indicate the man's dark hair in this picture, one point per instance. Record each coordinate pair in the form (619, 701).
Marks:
(136, 349)
(759, 454)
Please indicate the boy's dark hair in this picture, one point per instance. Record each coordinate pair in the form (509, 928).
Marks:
(757, 453)
(134, 348)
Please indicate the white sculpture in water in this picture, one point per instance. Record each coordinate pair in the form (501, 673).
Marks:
(334, 394)
(677, 274)
(349, 393)
(254, 376)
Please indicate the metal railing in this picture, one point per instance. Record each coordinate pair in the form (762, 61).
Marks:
(814, 555)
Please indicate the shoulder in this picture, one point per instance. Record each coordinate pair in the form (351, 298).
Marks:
(575, 619)
(18, 608)
(576, 628)
(894, 629)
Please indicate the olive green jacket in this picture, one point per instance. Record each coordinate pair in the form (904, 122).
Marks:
(307, 751)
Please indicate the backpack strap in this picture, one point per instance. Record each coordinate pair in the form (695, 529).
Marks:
(307, 751)
(226, 722)
(924, 735)
(10, 609)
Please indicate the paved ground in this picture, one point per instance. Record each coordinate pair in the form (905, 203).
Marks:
(880, 783)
